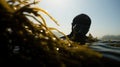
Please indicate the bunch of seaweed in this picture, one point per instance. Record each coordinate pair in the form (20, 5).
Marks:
(24, 42)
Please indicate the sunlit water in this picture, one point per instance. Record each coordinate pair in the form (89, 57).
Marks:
(108, 51)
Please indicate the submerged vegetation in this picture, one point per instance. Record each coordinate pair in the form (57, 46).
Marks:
(24, 42)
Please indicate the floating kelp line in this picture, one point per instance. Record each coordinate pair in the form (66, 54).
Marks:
(28, 43)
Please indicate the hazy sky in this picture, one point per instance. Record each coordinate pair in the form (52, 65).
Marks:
(105, 14)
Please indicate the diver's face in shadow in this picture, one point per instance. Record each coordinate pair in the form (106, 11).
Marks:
(80, 29)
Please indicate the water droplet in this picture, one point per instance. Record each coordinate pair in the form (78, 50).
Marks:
(26, 27)
(69, 44)
(29, 31)
(54, 38)
(41, 31)
(9, 30)
(14, 8)
(57, 49)
(46, 38)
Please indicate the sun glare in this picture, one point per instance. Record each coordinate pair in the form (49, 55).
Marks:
(57, 2)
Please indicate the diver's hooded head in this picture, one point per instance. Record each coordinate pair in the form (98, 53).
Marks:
(81, 23)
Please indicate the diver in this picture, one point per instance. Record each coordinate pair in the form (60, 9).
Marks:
(80, 27)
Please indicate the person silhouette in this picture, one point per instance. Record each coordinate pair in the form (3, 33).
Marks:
(80, 27)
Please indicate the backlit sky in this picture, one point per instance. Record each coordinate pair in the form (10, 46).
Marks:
(105, 14)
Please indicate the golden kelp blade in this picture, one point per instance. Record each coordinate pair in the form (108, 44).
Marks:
(40, 9)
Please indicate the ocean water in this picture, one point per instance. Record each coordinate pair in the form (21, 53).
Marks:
(112, 52)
